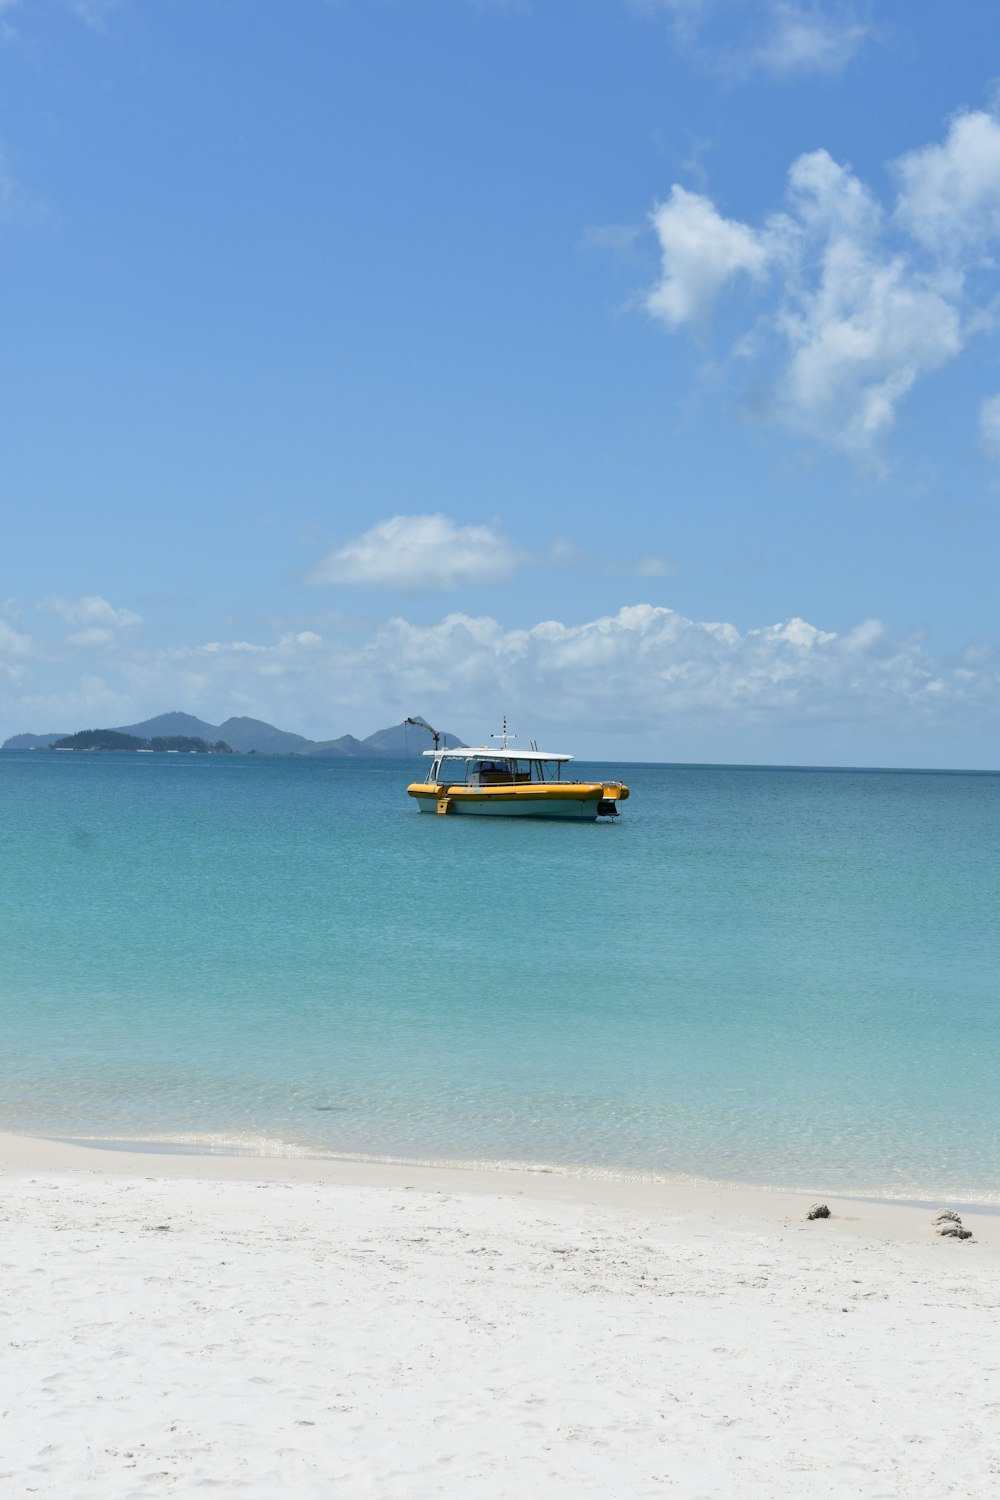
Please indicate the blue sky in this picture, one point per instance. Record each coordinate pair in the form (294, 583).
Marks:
(630, 368)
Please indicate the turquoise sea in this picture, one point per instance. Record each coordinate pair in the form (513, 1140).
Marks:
(787, 977)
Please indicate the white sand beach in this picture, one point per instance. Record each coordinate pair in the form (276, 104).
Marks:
(173, 1325)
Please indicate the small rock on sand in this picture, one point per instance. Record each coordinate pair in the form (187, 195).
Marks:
(949, 1223)
(818, 1211)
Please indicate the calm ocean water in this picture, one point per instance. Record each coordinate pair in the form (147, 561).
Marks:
(778, 976)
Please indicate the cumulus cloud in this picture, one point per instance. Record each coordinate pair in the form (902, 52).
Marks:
(786, 38)
(90, 609)
(420, 554)
(949, 194)
(96, 619)
(643, 669)
(650, 664)
(854, 301)
(701, 252)
(866, 324)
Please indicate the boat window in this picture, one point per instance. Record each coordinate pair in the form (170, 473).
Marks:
(493, 772)
(451, 770)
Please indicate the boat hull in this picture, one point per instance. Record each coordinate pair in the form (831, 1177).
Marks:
(581, 801)
(580, 809)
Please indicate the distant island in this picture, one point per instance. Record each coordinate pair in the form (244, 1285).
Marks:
(244, 736)
(115, 739)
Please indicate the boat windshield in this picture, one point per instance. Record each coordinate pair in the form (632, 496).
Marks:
(491, 770)
(450, 770)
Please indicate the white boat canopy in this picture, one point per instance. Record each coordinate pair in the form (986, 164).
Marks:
(491, 752)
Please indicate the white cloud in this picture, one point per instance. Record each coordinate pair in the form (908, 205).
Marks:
(643, 676)
(644, 665)
(855, 303)
(649, 664)
(859, 340)
(827, 201)
(652, 567)
(420, 554)
(702, 252)
(90, 609)
(949, 196)
(785, 38)
(808, 39)
(98, 621)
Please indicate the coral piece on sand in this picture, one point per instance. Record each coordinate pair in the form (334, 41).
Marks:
(949, 1223)
(818, 1211)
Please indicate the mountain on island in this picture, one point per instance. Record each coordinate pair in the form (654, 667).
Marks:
(31, 741)
(169, 724)
(114, 739)
(240, 734)
(254, 737)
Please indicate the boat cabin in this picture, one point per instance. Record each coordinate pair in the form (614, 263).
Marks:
(486, 767)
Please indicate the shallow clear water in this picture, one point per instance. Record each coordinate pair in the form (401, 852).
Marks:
(779, 976)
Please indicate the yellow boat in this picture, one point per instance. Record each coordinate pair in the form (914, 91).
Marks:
(505, 781)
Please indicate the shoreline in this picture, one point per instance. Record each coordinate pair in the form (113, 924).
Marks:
(897, 1219)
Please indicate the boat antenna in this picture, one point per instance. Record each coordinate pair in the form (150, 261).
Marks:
(502, 737)
(437, 734)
